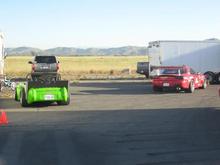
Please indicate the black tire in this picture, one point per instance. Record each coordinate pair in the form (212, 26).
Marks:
(191, 87)
(64, 102)
(218, 78)
(204, 85)
(1, 87)
(16, 95)
(210, 77)
(147, 76)
(23, 100)
(157, 89)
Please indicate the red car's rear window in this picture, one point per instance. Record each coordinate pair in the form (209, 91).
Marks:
(172, 71)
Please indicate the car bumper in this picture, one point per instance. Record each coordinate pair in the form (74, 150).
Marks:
(47, 95)
(177, 85)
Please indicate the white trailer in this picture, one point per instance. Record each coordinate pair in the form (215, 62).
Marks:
(2, 57)
(203, 56)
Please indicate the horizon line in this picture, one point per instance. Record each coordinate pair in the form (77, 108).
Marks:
(74, 47)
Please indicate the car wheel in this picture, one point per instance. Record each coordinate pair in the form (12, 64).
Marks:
(204, 85)
(64, 102)
(157, 89)
(1, 86)
(218, 78)
(16, 95)
(23, 100)
(210, 77)
(146, 76)
(191, 87)
(13, 86)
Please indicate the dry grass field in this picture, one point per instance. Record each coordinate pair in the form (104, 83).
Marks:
(87, 67)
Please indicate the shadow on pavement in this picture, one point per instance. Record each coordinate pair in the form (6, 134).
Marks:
(124, 88)
(119, 137)
(12, 104)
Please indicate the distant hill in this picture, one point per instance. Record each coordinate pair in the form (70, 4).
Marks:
(68, 51)
(22, 50)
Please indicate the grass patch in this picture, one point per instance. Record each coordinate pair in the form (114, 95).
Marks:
(86, 67)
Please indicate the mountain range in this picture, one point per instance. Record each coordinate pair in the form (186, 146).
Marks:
(68, 51)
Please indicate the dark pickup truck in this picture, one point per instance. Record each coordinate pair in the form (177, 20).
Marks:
(44, 64)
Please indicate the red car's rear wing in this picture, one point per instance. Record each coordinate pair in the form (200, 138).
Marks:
(167, 67)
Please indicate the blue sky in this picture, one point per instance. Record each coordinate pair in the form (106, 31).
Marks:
(106, 23)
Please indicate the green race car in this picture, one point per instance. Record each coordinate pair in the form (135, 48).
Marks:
(46, 89)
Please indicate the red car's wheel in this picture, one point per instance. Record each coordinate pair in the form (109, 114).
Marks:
(191, 87)
(157, 89)
(204, 85)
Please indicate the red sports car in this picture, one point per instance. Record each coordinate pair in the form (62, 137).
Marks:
(178, 78)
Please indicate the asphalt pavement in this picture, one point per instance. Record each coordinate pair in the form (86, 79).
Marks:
(115, 123)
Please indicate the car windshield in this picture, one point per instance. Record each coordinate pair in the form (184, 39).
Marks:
(171, 71)
(45, 59)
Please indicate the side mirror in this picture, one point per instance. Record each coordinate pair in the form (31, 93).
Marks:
(30, 62)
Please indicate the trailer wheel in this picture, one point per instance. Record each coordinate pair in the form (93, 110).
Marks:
(218, 78)
(210, 77)
(23, 100)
(191, 87)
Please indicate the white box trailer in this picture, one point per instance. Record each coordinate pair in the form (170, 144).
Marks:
(203, 56)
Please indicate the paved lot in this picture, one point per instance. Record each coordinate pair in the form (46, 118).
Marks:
(119, 123)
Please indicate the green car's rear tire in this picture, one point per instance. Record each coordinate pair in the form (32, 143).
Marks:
(23, 100)
(64, 102)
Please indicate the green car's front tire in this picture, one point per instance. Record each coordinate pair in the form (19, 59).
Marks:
(23, 100)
